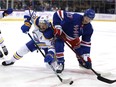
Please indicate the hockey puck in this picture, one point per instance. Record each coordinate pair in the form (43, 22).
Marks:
(71, 83)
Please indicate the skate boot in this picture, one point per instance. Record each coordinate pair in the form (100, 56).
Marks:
(1, 54)
(53, 64)
(85, 62)
(60, 68)
(5, 50)
(7, 63)
(60, 65)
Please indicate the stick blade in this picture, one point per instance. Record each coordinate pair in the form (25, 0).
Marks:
(67, 81)
(105, 80)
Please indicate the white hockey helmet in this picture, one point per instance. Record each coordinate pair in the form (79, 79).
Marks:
(44, 19)
(44, 22)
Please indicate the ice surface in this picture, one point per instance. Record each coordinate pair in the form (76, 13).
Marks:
(31, 71)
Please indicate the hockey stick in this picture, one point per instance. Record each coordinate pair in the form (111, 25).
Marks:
(99, 77)
(62, 80)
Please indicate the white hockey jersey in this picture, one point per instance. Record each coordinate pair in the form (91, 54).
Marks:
(44, 39)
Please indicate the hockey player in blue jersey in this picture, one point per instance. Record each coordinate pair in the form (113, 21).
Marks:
(43, 35)
(2, 15)
(77, 30)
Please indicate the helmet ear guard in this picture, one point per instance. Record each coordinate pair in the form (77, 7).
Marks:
(89, 13)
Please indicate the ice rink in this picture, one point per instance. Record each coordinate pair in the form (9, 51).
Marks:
(31, 70)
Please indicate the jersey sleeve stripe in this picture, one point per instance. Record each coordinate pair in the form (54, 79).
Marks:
(60, 14)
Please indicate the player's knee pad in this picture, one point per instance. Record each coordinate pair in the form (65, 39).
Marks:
(31, 46)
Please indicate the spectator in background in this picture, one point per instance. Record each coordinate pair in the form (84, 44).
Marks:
(3, 4)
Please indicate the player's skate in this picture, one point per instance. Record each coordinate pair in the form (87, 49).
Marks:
(59, 68)
(60, 65)
(53, 64)
(86, 64)
(1, 54)
(7, 63)
(5, 50)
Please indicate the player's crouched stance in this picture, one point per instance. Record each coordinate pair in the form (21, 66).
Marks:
(43, 35)
(2, 15)
(76, 30)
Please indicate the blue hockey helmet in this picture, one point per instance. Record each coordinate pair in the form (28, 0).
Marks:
(89, 13)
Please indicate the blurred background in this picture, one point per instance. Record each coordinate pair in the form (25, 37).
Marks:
(100, 6)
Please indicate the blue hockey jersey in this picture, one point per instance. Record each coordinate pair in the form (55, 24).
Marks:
(73, 27)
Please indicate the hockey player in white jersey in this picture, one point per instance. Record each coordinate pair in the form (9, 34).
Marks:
(43, 35)
(2, 15)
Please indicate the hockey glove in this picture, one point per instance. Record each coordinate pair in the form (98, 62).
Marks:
(49, 57)
(26, 17)
(26, 26)
(85, 61)
(58, 30)
(7, 12)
